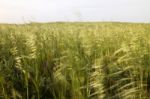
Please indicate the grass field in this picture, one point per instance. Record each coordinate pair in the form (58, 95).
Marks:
(75, 61)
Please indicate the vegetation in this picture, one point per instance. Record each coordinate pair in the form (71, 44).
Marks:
(75, 61)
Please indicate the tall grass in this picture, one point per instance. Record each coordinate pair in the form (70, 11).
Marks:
(75, 61)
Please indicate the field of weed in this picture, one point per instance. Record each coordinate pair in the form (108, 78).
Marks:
(75, 61)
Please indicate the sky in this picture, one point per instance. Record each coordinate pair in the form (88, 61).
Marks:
(18, 11)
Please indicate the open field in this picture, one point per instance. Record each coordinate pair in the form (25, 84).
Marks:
(75, 61)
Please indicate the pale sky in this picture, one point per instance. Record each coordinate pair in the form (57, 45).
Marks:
(16, 11)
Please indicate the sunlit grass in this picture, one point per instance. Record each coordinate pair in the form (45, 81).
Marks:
(75, 61)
